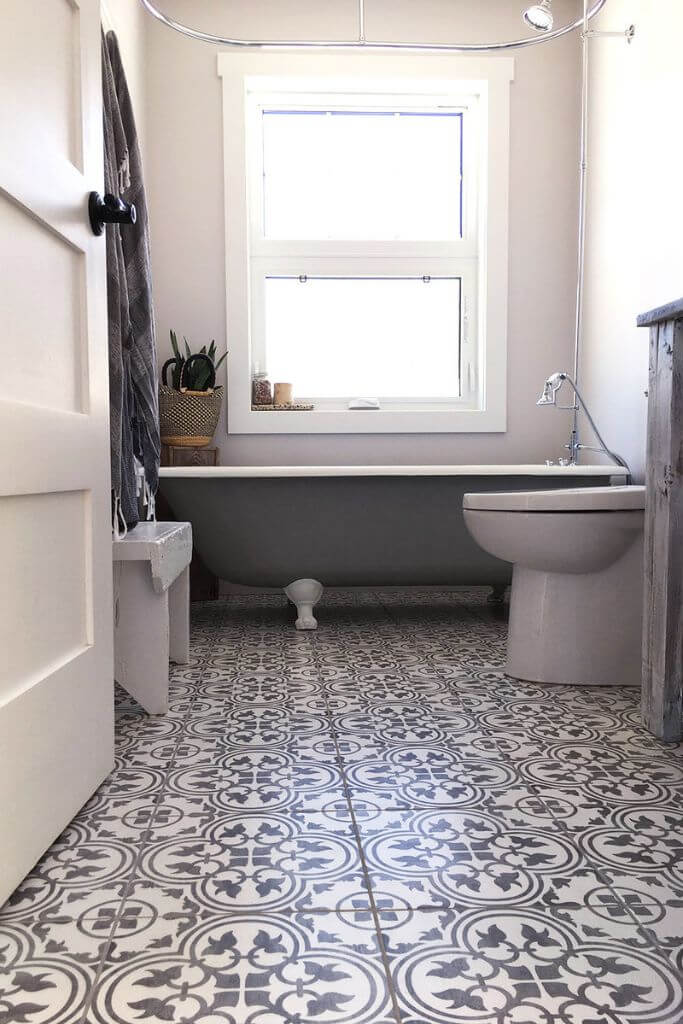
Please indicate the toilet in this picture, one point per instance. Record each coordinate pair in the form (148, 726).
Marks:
(577, 584)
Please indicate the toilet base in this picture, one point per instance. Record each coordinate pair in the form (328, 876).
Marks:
(582, 628)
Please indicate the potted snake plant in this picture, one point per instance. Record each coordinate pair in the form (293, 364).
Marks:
(189, 406)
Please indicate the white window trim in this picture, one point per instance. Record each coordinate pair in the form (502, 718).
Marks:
(488, 77)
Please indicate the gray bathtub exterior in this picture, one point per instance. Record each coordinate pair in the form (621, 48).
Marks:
(348, 530)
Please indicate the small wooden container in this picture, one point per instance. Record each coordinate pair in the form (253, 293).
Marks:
(173, 455)
(282, 394)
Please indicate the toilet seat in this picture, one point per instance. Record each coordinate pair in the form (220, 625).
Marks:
(574, 499)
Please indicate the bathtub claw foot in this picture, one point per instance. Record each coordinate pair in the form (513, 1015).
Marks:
(305, 594)
(497, 595)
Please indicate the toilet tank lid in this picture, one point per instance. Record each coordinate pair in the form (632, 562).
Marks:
(571, 499)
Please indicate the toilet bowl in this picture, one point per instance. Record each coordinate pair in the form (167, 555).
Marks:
(577, 583)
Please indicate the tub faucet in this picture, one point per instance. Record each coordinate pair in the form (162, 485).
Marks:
(574, 446)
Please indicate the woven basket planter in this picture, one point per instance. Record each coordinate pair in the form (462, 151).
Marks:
(189, 419)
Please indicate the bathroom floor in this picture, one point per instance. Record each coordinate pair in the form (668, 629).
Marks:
(363, 825)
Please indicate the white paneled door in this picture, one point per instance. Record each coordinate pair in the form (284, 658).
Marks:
(56, 674)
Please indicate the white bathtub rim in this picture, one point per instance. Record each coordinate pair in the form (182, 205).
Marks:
(255, 472)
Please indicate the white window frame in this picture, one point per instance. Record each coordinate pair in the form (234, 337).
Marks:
(247, 79)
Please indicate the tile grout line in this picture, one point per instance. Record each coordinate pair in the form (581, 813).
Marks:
(366, 873)
(128, 884)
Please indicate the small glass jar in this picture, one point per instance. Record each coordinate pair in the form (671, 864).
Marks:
(261, 388)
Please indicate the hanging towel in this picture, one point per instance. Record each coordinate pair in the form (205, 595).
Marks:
(117, 306)
(132, 345)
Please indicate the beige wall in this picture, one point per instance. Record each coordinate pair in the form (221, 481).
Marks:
(127, 18)
(635, 209)
(185, 185)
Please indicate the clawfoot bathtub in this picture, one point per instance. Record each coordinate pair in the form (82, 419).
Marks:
(305, 527)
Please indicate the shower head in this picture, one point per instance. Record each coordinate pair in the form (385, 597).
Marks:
(550, 389)
(549, 397)
(539, 16)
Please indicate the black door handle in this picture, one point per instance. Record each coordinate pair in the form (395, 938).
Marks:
(109, 210)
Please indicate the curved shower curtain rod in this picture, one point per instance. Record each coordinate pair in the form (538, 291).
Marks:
(362, 43)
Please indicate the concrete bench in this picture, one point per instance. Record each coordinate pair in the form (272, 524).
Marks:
(151, 609)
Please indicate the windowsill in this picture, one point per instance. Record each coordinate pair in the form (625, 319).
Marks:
(454, 420)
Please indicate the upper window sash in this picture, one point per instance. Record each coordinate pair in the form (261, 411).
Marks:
(467, 107)
(362, 172)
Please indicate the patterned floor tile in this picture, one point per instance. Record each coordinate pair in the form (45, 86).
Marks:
(262, 779)
(605, 772)
(78, 868)
(513, 750)
(450, 857)
(270, 968)
(126, 818)
(124, 704)
(136, 779)
(150, 742)
(230, 698)
(425, 776)
(257, 688)
(413, 721)
(256, 862)
(40, 901)
(264, 661)
(46, 975)
(634, 840)
(260, 725)
(198, 750)
(649, 907)
(471, 698)
(501, 966)
(387, 686)
(142, 729)
(493, 680)
(635, 740)
(369, 658)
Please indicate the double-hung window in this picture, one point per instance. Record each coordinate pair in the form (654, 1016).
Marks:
(363, 253)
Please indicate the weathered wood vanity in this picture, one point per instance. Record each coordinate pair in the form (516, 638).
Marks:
(663, 607)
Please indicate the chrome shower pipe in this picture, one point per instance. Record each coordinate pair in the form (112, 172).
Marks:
(361, 43)
(581, 241)
(586, 34)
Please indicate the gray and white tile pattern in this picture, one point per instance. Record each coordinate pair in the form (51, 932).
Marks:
(371, 824)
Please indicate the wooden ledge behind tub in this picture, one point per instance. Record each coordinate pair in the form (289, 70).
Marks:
(172, 455)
